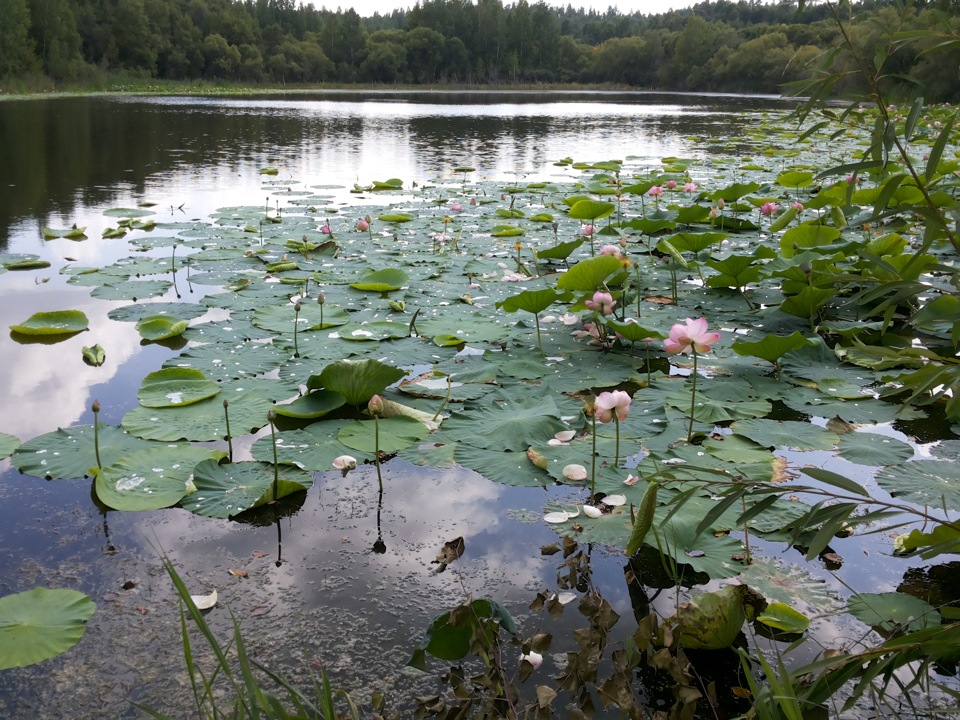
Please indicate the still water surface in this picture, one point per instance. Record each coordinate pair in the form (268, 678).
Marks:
(316, 593)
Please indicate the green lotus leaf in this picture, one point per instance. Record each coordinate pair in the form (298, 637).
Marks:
(935, 483)
(229, 361)
(696, 242)
(395, 217)
(506, 231)
(772, 347)
(93, 355)
(227, 490)
(132, 289)
(151, 479)
(789, 434)
(710, 621)
(509, 424)
(312, 405)
(591, 210)
(356, 380)
(532, 301)
(314, 448)
(280, 318)
(795, 178)
(561, 251)
(60, 322)
(510, 212)
(634, 332)
(34, 263)
(128, 212)
(72, 233)
(8, 443)
(391, 184)
(451, 641)
(396, 433)
(789, 584)
(943, 539)
(781, 616)
(873, 449)
(382, 281)
(204, 421)
(589, 275)
(160, 327)
(137, 311)
(69, 452)
(717, 410)
(893, 611)
(806, 236)
(40, 624)
(506, 468)
(734, 192)
(174, 387)
(541, 217)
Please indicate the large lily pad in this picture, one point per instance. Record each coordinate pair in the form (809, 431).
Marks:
(69, 452)
(8, 443)
(40, 624)
(926, 482)
(396, 433)
(174, 387)
(151, 479)
(60, 322)
(227, 490)
(160, 327)
(507, 424)
(893, 611)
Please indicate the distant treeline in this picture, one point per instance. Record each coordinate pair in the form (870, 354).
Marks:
(714, 46)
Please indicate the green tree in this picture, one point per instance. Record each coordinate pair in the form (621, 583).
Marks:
(386, 62)
(56, 39)
(424, 52)
(16, 46)
(222, 58)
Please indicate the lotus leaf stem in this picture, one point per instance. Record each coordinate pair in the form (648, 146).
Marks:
(445, 400)
(593, 455)
(693, 397)
(96, 432)
(226, 414)
(271, 416)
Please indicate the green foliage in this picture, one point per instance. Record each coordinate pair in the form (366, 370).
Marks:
(40, 624)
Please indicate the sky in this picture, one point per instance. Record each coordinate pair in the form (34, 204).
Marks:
(366, 8)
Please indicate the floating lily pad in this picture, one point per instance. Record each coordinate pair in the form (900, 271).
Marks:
(873, 449)
(925, 482)
(356, 380)
(60, 322)
(396, 433)
(93, 355)
(69, 452)
(40, 624)
(8, 443)
(313, 405)
(151, 479)
(228, 489)
(893, 611)
(382, 281)
(174, 387)
(160, 327)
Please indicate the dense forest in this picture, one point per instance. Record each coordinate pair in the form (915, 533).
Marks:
(715, 46)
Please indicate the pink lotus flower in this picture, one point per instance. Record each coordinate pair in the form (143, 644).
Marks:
(456, 207)
(473, 201)
(611, 250)
(798, 206)
(613, 403)
(671, 184)
(690, 187)
(326, 230)
(655, 192)
(587, 230)
(769, 208)
(375, 406)
(691, 336)
(602, 303)
(363, 225)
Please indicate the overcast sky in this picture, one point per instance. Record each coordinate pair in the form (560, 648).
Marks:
(648, 7)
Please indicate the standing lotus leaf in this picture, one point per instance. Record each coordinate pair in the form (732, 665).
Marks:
(356, 380)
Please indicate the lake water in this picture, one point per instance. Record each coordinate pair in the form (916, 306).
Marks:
(316, 591)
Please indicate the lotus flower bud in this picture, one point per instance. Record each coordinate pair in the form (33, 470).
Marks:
(375, 406)
(96, 406)
(321, 299)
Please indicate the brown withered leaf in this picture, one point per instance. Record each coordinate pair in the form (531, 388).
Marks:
(551, 549)
(450, 551)
(781, 472)
(741, 692)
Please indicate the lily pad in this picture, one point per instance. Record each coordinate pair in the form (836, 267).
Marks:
(312, 405)
(40, 624)
(926, 482)
(69, 452)
(160, 327)
(8, 443)
(382, 281)
(60, 322)
(227, 490)
(174, 387)
(356, 380)
(893, 611)
(151, 479)
(396, 433)
(873, 449)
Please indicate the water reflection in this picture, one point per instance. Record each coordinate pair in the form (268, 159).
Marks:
(72, 155)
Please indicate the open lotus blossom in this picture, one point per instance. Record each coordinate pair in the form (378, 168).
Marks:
(655, 192)
(671, 184)
(613, 403)
(798, 206)
(587, 230)
(690, 187)
(612, 250)
(456, 207)
(602, 303)
(769, 208)
(691, 336)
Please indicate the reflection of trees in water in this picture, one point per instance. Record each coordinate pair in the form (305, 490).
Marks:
(68, 152)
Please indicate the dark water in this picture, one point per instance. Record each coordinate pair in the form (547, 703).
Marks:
(316, 593)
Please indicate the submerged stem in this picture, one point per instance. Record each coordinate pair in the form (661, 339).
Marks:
(693, 397)
(746, 530)
(593, 458)
(376, 450)
(271, 416)
(616, 455)
(96, 432)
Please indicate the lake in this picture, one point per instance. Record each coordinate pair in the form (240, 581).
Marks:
(317, 589)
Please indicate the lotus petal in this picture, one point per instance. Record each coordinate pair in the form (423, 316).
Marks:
(204, 602)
